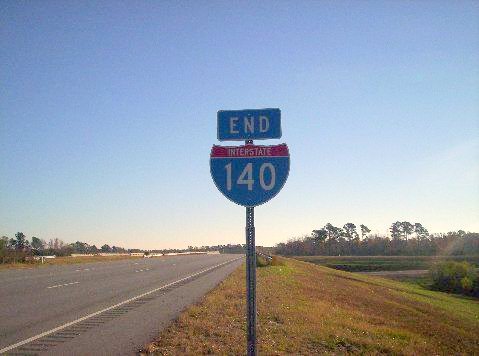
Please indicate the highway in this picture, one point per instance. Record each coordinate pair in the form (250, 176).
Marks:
(105, 308)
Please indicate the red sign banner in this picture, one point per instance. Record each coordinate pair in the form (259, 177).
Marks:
(249, 151)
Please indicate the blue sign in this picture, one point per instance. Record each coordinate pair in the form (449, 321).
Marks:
(249, 175)
(241, 125)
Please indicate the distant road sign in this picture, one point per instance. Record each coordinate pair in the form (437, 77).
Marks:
(249, 175)
(241, 125)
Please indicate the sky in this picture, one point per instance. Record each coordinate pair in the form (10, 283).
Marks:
(108, 115)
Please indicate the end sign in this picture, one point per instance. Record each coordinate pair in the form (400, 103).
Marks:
(242, 125)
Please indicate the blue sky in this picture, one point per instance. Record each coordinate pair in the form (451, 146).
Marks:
(108, 114)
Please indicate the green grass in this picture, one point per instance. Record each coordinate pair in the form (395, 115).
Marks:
(424, 281)
(305, 309)
(383, 263)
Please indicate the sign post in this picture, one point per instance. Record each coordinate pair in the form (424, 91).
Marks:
(250, 280)
(249, 175)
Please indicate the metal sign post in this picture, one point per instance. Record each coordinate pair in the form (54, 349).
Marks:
(250, 279)
(249, 175)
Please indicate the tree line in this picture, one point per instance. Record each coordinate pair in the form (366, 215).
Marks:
(405, 239)
(229, 248)
(20, 247)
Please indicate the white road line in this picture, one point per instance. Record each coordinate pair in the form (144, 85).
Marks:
(54, 330)
(142, 270)
(62, 285)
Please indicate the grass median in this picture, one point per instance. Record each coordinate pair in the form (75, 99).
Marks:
(67, 260)
(309, 309)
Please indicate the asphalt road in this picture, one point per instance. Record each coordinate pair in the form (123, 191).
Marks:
(106, 308)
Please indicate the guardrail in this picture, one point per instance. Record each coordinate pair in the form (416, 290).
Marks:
(43, 258)
(264, 255)
(263, 260)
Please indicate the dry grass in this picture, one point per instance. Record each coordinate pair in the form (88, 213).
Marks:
(67, 260)
(308, 309)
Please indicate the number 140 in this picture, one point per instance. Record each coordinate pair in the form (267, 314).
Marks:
(246, 176)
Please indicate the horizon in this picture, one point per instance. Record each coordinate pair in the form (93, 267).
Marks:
(109, 115)
(370, 234)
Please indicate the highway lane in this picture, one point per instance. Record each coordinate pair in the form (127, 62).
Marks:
(35, 301)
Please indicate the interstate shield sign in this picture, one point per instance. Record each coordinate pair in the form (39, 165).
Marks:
(249, 175)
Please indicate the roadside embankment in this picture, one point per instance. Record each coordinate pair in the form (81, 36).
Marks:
(309, 309)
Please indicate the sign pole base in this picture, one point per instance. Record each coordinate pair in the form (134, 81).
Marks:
(250, 279)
